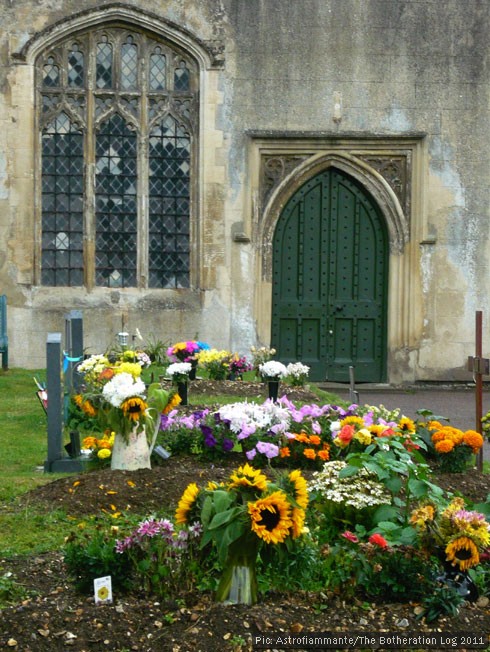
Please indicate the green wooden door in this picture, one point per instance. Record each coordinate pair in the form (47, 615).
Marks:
(330, 270)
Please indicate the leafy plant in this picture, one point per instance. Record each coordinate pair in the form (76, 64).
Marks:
(11, 592)
(444, 600)
(92, 554)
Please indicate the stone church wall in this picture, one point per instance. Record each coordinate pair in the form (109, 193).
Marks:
(397, 90)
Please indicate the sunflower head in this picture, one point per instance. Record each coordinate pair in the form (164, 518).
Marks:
(248, 477)
(463, 553)
(271, 517)
(186, 503)
(134, 408)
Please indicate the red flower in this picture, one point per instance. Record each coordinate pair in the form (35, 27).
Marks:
(346, 434)
(377, 540)
(350, 536)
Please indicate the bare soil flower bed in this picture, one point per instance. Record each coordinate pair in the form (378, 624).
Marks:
(55, 617)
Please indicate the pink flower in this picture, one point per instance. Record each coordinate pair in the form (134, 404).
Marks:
(377, 540)
(350, 536)
(346, 434)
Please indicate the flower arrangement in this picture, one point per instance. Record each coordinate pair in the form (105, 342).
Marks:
(139, 357)
(99, 449)
(453, 447)
(261, 355)
(239, 365)
(117, 397)
(179, 371)
(216, 363)
(272, 370)
(242, 515)
(186, 351)
(460, 533)
(297, 373)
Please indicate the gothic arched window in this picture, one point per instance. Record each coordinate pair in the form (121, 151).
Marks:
(118, 122)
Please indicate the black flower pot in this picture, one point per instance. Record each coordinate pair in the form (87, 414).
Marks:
(273, 386)
(182, 390)
(192, 372)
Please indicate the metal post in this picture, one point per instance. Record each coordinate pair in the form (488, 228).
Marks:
(353, 394)
(479, 385)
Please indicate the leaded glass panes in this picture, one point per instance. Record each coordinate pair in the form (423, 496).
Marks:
(75, 67)
(169, 182)
(116, 216)
(98, 85)
(158, 70)
(62, 188)
(182, 77)
(51, 72)
(129, 64)
(104, 64)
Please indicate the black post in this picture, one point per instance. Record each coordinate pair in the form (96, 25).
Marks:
(53, 387)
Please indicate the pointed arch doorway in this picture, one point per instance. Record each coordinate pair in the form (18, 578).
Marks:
(329, 280)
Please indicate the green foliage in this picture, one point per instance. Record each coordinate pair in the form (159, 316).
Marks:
(404, 473)
(92, 554)
(443, 600)
(11, 592)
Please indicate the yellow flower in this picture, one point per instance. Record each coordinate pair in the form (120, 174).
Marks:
(271, 517)
(132, 368)
(103, 453)
(363, 436)
(420, 516)
(298, 518)
(186, 503)
(133, 408)
(247, 476)
(352, 421)
(406, 425)
(462, 552)
(300, 488)
(87, 407)
(174, 401)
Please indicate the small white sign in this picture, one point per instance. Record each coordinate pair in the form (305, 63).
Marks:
(103, 590)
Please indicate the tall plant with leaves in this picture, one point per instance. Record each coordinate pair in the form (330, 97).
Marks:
(400, 466)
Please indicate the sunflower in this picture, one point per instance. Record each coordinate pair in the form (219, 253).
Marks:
(352, 420)
(271, 517)
(462, 552)
(133, 408)
(247, 476)
(186, 503)
(174, 401)
(406, 425)
(300, 488)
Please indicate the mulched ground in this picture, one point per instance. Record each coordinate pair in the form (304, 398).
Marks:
(55, 617)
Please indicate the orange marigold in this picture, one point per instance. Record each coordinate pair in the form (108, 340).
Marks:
(285, 452)
(302, 437)
(310, 453)
(315, 440)
(438, 436)
(324, 455)
(473, 439)
(444, 446)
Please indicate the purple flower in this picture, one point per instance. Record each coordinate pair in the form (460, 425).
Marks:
(251, 454)
(268, 449)
(227, 444)
(149, 528)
